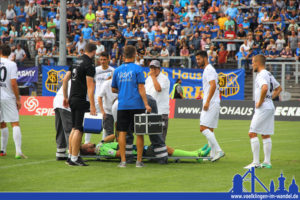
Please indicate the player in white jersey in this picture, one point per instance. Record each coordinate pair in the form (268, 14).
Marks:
(211, 105)
(103, 71)
(9, 102)
(266, 89)
(106, 100)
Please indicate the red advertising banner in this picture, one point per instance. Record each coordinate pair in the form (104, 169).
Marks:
(43, 106)
(36, 105)
(172, 108)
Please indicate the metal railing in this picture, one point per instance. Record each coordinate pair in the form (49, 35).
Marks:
(228, 40)
(40, 59)
(287, 68)
(171, 58)
(268, 60)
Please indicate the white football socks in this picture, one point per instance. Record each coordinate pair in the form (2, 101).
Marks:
(87, 138)
(17, 139)
(104, 134)
(267, 143)
(74, 158)
(255, 149)
(215, 147)
(4, 139)
(212, 152)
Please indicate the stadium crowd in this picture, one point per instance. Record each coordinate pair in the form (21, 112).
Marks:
(228, 30)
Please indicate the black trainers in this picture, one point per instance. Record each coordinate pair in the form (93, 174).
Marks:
(68, 161)
(78, 162)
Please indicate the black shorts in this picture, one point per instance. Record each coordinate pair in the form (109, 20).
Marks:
(78, 108)
(108, 124)
(125, 119)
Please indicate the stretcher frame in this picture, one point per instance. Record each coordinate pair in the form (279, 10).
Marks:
(176, 159)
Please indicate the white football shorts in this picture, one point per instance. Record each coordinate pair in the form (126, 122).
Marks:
(9, 111)
(210, 117)
(263, 122)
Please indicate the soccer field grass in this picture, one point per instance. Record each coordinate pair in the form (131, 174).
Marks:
(41, 172)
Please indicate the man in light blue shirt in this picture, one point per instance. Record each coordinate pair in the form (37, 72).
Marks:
(232, 11)
(128, 81)
(86, 31)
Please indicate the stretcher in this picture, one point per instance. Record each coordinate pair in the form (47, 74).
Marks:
(175, 159)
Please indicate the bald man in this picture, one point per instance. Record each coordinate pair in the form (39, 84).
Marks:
(266, 89)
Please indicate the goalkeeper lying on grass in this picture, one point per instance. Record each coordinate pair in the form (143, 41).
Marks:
(111, 149)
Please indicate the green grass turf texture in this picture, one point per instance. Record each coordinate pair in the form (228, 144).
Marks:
(41, 172)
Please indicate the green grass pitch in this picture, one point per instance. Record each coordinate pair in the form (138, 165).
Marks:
(41, 172)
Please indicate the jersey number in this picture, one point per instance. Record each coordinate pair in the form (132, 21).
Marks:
(3, 73)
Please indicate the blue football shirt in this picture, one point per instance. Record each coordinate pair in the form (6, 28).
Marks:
(126, 79)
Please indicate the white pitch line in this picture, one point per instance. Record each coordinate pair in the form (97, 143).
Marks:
(228, 141)
(30, 163)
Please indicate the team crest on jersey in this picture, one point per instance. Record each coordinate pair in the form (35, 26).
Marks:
(229, 85)
(54, 79)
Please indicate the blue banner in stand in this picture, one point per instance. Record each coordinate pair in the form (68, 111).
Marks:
(52, 79)
(27, 74)
(231, 81)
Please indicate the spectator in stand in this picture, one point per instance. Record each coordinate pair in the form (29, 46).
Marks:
(231, 48)
(222, 56)
(49, 37)
(84, 9)
(241, 34)
(114, 53)
(10, 13)
(20, 56)
(51, 14)
(195, 40)
(287, 53)
(80, 45)
(32, 13)
(293, 41)
(165, 53)
(42, 51)
(215, 30)
(224, 7)
(232, 11)
(212, 55)
(100, 48)
(221, 21)
(250, 40)
(272, 45)
(86, 32)
(244, 48)
(257, 45)
(51, 25)
(90, 18)
(13, 33)
(140, 47)
(240, 17)
(229, 22)
(280, 42)
(184, 51)
(246, 25)
(273, 53)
